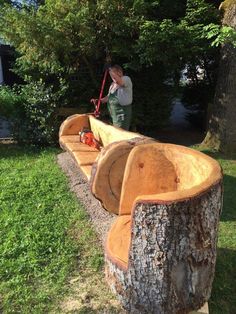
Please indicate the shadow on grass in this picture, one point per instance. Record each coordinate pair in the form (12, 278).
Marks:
(218, 155)
(229, 212)
(223, 299)
(229, 207)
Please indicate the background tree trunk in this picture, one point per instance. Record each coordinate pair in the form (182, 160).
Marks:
(221, 133)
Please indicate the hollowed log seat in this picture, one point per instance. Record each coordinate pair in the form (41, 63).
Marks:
(161, 250)
(103, 168)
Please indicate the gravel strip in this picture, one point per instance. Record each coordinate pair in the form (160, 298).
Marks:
(78, 183)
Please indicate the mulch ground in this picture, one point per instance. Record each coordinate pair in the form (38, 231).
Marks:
(78, 183)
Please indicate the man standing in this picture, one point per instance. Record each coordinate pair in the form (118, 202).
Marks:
(119, 98)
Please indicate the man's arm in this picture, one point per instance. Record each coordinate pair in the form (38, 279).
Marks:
(104, 99)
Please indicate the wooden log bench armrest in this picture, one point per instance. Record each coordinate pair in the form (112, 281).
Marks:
(74, 124)
(161, 254)
(171, 253)
(108, 171)
(169, 171)
(107, 174)
(178, 196)
(120, 235)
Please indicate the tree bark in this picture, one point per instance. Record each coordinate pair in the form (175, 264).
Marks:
(221, 133)
(172, 256)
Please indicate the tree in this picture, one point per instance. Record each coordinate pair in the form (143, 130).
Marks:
(221, 133)
(61, 35)
(62, 39)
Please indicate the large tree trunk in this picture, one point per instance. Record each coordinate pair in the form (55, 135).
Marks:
(221, 134)
(161, 250)
(172, 256)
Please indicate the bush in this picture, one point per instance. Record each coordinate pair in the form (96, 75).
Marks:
(31, 108)
(10, 102)
(40, 123)
(11, 108)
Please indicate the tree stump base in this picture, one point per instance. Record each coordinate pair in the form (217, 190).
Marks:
(172, 256)
(160, 258)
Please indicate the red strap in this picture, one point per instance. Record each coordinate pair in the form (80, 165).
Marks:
(97, 112)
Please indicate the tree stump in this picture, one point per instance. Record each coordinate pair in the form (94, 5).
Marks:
(169, 260)
(161, 250)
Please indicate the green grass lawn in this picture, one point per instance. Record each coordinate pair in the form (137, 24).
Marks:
(44, 232)
(223, 299)
(46, 238)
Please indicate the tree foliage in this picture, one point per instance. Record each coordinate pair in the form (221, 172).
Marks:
(58, 36)
(61, 39)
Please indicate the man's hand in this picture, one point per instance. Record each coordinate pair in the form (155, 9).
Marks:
(104, 100)
(94, 101)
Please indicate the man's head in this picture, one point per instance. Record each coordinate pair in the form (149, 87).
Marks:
(116, 69)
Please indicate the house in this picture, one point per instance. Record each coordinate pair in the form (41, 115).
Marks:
(7, 77)
(7, 59)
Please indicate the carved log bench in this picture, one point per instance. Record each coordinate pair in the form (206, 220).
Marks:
(161, 250)
(105, 168)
